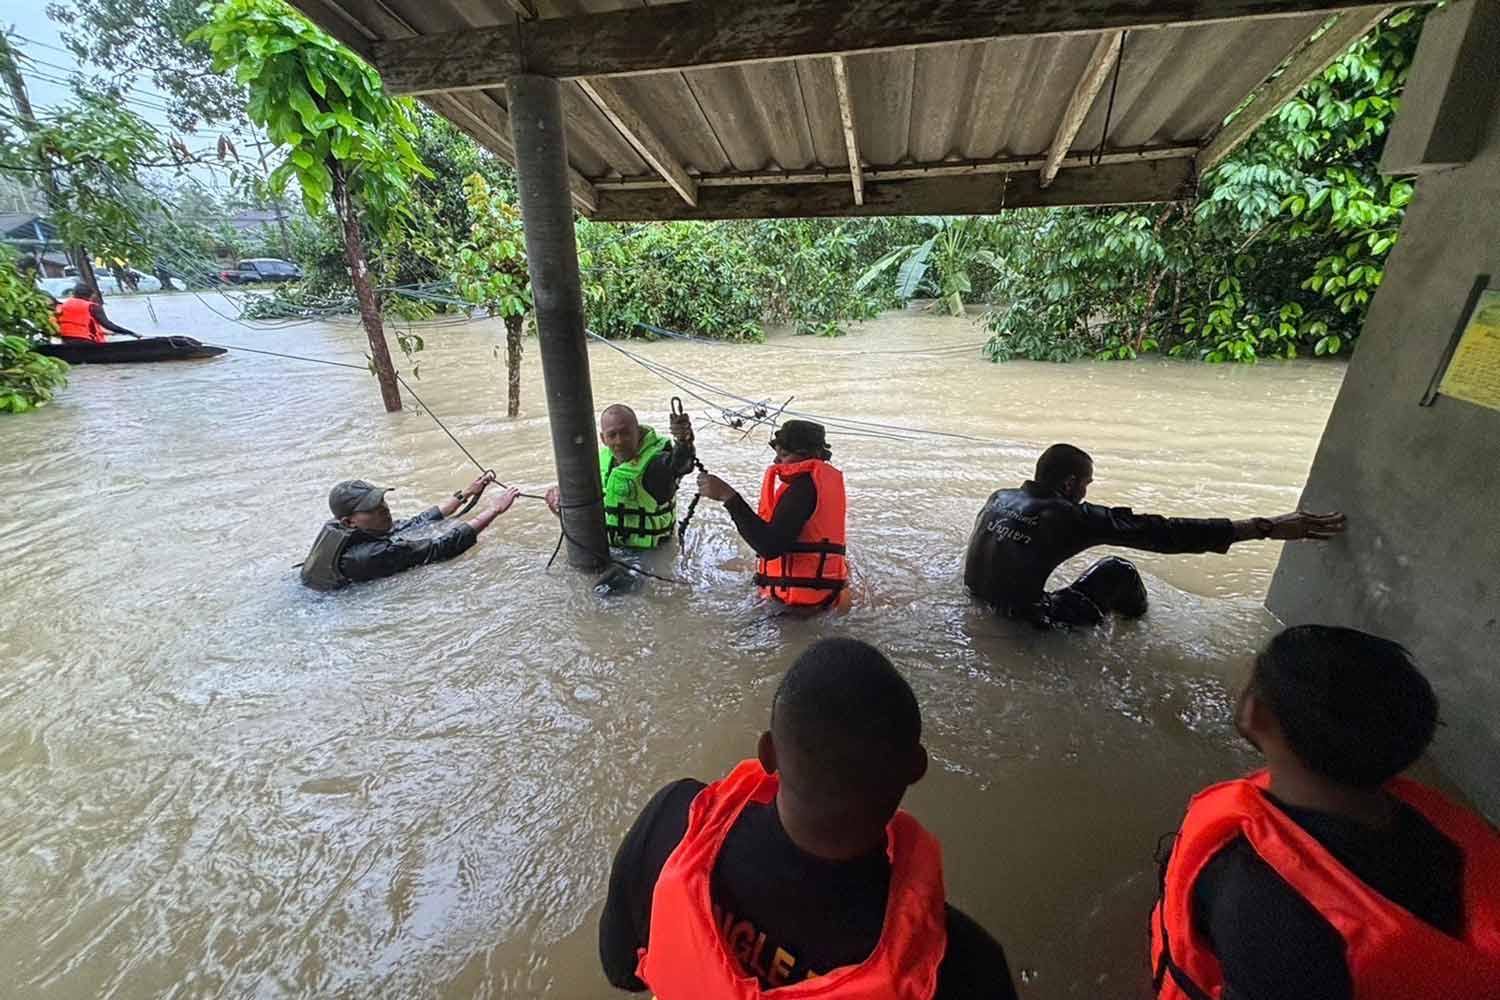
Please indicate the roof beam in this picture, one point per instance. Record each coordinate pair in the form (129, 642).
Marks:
(851, 137)
(1312, 58)
(977, 194)
(702, 33)
(640, 135)
(1104, 57)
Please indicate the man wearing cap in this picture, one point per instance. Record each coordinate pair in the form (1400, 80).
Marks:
(798, 528)
(363, 543)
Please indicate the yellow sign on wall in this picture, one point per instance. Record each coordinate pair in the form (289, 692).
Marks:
(1474, 373)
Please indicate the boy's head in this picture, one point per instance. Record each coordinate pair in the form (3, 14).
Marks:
(846, 739)
(1343, 704)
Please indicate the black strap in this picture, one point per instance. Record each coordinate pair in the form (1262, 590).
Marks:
(1165, 965)
(806, 582)
(817, 548)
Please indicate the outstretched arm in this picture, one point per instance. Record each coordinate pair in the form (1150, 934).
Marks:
(1293, 527)
(474, 489)
(772, 538)
(483, 519)
(97, 311)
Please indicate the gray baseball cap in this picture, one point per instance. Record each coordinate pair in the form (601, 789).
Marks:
(355, 496)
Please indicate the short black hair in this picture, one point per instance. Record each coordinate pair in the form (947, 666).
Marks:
(1353, 706)
(845, 712)
(83, 291)
(1061, 461)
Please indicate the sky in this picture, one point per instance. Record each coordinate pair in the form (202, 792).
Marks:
(38, 37)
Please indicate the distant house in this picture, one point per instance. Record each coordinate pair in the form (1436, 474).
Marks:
(31, 235)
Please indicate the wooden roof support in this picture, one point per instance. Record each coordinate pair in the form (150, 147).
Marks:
(679, 36)
(1106, 54)
(976, 194)
(640, 135)
(851, 137)
(1307, 62)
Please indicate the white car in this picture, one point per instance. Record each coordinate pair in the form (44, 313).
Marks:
(108, 283)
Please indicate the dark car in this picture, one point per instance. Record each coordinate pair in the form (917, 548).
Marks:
(261, 269)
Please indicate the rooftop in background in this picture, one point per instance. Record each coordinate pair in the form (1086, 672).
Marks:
(743, 110)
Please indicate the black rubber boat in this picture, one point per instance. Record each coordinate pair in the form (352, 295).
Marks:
(129, 352)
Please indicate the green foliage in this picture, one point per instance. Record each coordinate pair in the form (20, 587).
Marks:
(320, 101)
(806, 269)
(944, 263)
(1280, 258)
(27, 379)
(135, 40)
(489, 269)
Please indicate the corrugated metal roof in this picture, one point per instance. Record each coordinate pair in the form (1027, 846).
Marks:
(913, 108)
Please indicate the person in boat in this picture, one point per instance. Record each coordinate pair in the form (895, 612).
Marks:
(639, 470)
(362, 542)
(1326, 875)
(800, 862)
(797, 530)
(1023, 534)
(80, 317)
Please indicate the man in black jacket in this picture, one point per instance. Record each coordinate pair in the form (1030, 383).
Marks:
(363, 542)
(1023, 534)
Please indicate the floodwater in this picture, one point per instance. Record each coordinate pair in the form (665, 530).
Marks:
(214, 783)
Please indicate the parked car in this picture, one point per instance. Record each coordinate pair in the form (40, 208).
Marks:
(108, 283)
(261, 269)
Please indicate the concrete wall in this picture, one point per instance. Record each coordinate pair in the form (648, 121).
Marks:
(1421, 560)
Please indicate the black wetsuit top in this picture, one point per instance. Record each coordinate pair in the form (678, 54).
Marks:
(1022, 535)
(663, 472)
(789, 913)
(370, 556)
(1272, 944)
(772, 538)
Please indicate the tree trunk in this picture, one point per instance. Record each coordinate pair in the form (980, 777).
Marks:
(1153, 285)
(369, 311)
(513, 326)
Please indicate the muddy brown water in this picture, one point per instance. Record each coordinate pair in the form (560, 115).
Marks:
(214, 783)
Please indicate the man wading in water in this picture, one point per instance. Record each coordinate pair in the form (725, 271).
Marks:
(798, 528)
(639, 470)
(1023, 534)
(800, 863)
(363, 543)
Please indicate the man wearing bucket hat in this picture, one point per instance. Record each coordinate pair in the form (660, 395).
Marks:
(798, 528)
(362, 542)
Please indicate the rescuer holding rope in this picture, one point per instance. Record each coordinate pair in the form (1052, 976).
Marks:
(639, 470)
(798, 529)
(362, 542)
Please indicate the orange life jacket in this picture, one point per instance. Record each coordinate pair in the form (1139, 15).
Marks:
(75, 321)
(1392, 955)
(814, 570)
(688, 958)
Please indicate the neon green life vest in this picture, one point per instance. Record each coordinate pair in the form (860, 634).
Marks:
(632, 517)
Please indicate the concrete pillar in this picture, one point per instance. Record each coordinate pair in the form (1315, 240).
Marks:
(1421, 560)
(536, 122)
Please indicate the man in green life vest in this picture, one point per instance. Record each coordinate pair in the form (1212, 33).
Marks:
(640, 470)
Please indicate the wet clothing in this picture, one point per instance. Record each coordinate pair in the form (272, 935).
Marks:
(80, 319)
(640, 496)
(811, 570)
(1266, 901)
(364, 555)
(1022, 535)
(1110, 586)
(773, 537)
(698, 951)
(804, 914)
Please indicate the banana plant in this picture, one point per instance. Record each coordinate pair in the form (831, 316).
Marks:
(945, 260)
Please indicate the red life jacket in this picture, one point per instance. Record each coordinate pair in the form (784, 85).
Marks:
(75, 321)
(814, 570)
(1392, 955)
(689, 959)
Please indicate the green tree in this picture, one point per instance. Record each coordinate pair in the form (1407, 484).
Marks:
(349, 142)
(946, 261)
(27, 379)
(134, 40)
(489, 269)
